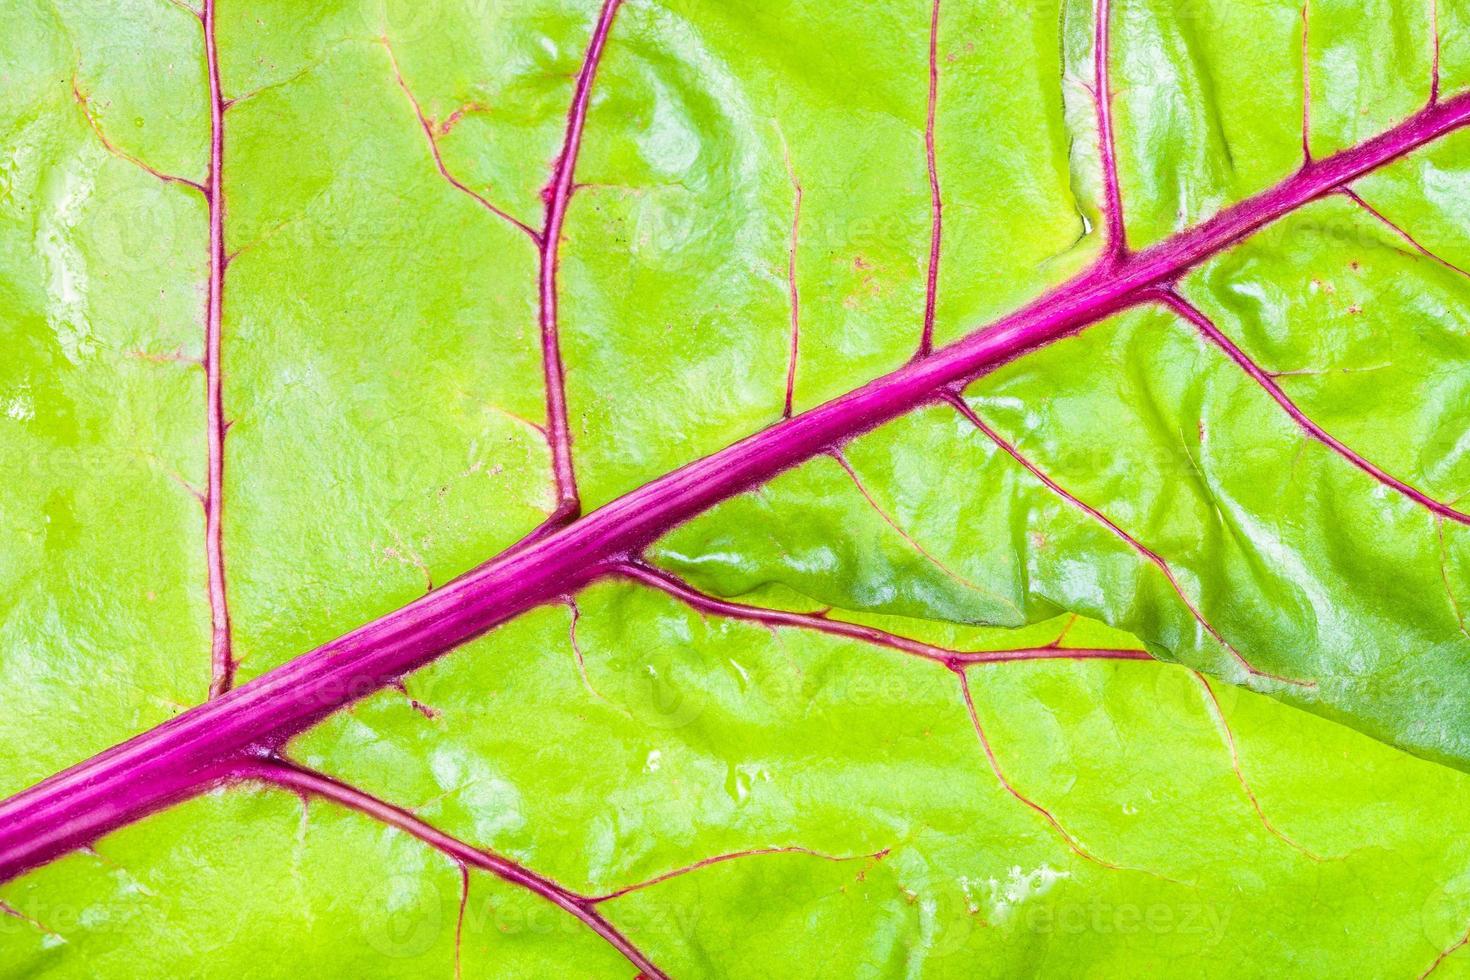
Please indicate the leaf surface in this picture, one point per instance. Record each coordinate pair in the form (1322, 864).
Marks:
(1136, 649)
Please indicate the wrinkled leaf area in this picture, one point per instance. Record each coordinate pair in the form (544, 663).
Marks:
(737, 798)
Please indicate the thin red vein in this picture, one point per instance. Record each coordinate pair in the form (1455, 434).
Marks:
(464, 901)
(427, 125)
(1218, 714)
(222, 656)
(1107, 144)
(1306, 86)
(576, 617)
(428, 711)
(1207, 327)
(936, 202)
(175, 759)
(14, 913)
(733, 855)
(1444, 573)
(558, 195)
(309, 783)
(793, 294)
(577, 647)
(1072, 843)
(1447, 953)
(222, 660)
(119, 152)
(773, 618)
(1434, 65)
(913, 543)
(1401, 232)
(1143, 550)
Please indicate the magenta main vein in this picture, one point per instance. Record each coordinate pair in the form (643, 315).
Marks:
(176, 758)
(222, 657)
(558, 195)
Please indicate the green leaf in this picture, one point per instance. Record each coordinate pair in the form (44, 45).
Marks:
(1079, 588)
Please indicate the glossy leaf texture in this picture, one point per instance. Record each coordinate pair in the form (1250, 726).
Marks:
(1141, 650)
